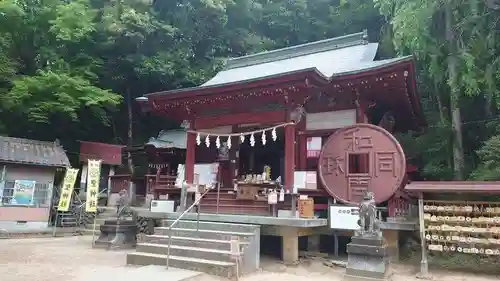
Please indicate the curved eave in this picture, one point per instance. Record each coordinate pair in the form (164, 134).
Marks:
(408, 63)
(310, 75)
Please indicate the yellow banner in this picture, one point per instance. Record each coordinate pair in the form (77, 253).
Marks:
(67, 189)
(93, 179)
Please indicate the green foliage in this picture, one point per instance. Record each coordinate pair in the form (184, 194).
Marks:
(79, 64)
(47, 93)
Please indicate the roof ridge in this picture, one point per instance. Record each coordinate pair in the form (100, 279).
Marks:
(23, 140)
(349, 40)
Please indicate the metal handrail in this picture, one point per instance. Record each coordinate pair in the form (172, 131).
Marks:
(196, 202)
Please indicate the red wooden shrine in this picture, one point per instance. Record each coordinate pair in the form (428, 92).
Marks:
(336, 82)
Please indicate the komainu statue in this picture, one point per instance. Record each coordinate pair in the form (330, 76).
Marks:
(368, 222)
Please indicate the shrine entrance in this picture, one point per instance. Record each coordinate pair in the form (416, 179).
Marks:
(253, 159)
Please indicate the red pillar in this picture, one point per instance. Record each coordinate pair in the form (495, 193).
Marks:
(190, 157)
(301, 155)
(364, 161)
(289, 156)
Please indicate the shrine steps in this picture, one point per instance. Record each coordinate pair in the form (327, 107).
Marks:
(207, 249)
(222, 269)
(192, 242)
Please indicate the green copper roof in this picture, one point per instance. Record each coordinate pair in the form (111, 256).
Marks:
(328, 56)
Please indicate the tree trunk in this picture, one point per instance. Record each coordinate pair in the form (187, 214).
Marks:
(130, 131)
(442, 119)
(456, 118)
(441, 110)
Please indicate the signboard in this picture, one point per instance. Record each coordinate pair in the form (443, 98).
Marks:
(343, 217)
(361, 158)
(67, 189)
(24, 191)
(313, 147)
(205, 174)
(305, 180)
(93, 176)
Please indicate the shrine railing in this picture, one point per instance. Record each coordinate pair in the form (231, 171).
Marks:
(195, 203)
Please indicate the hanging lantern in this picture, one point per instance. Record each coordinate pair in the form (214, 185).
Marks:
(217, 142)
(263, 138)
(198, 139)
(242, 138)
(273, 134)
(252, 140)
(207, 141)
(228, 142)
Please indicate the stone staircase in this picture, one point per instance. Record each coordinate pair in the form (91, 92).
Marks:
(206, 249)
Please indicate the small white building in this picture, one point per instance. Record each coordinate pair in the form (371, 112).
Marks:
(27, 173)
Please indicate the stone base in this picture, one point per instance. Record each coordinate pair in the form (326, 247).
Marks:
(348, 277)
(117, 235)
(368, 259)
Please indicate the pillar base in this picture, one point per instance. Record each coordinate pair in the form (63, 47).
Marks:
(290, 248)
(424, 271)
(392, 239)
(313, 243)
(116, 234)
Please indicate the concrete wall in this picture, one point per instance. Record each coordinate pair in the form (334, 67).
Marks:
(20, 218)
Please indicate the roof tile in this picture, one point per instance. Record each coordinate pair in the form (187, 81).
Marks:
(33, 152)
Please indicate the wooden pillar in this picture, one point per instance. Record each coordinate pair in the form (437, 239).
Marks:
(289, 157)
(188, 169)
(190, 158)
(301, 157)
(234, 154)
(361, 118)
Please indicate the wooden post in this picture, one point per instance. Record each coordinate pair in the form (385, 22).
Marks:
(290, 164)
(110, 175)
(301, 157)
(424, 266)
(188, 168)
(190, 158)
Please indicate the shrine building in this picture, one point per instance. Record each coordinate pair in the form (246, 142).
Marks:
(277, 140)
(277, 109)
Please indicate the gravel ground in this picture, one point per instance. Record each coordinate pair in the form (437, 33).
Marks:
(69, 258)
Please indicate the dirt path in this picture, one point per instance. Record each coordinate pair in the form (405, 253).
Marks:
(69, 258)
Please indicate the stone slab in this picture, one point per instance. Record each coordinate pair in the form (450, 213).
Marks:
(367, 266)
(374, 251)
(369, 241)
(348, 277)
(243, 219)
(117, 235)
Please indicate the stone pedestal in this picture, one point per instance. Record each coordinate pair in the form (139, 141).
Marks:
(368, 259)
(116, 234)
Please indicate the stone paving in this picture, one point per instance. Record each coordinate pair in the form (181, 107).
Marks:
(72, 259)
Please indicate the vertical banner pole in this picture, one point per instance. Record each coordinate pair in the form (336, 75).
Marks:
(93, 229)
(93, 175)
(55, 224)
(65, 195)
